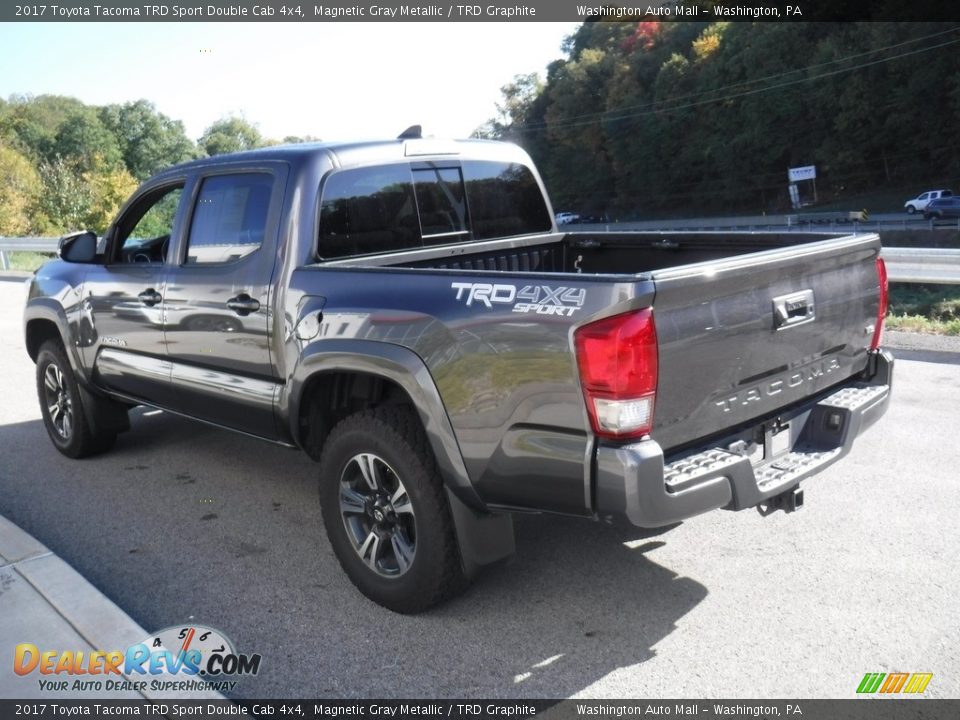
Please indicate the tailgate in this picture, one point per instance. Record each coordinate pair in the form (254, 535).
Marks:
(742, 338)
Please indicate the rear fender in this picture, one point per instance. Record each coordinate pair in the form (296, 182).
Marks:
(404, 368)
(483, 538)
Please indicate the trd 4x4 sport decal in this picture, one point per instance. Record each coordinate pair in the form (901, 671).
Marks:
(540, 299)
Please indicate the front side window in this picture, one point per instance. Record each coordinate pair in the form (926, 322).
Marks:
(143, 233)
(368, 210)
(504, 200)
(230, 219)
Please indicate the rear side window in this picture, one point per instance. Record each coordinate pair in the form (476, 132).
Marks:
(368, 210)
(230, 219)
(504, 200)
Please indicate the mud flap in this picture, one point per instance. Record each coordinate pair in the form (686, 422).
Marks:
(484, 539)
(104, 415)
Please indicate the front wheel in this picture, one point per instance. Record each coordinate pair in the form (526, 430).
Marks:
(62, 406)
(385, 511)
(911, 209)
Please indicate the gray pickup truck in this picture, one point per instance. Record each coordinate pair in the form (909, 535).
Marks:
(408, 314)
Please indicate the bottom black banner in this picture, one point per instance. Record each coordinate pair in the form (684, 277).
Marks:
(868, 709)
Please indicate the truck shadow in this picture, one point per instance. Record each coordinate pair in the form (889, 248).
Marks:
(184, 521)
(576, 605)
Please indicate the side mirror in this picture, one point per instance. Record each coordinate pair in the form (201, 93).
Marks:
(78, 247)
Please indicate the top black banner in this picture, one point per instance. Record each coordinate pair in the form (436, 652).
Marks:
(500, 11)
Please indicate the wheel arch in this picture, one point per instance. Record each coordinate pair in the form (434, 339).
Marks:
(45, 319)
(483, 538)
(343, 377)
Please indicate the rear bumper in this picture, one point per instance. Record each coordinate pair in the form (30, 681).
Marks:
(635, 482)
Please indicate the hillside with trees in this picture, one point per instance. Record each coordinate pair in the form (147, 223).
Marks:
(653, 118)
(65, 165)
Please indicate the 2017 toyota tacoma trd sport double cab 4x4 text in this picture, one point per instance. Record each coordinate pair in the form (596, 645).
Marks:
(408, 314)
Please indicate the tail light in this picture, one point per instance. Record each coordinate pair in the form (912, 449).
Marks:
(617, 357)
(882, 308)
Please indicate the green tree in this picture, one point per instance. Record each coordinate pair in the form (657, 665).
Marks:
(109, 187)
(85, 140)
(229, 135)
(148, 140)
(66, 199)
(19, 191)
(298, 139)
(32, 123)
(517, 108)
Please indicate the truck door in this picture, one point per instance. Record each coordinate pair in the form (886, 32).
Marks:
(121, 326)
(217, 300)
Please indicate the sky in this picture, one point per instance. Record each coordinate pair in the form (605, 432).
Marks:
(330, 80)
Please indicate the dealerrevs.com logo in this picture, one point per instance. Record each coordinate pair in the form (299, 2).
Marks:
(175, 659)
(893, 683)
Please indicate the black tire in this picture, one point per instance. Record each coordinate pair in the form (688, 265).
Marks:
(373, 531)
(911, 209)
(62, 406)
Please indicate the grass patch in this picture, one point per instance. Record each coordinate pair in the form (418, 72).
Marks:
(920, 324)
(925, 308)
(28, 261)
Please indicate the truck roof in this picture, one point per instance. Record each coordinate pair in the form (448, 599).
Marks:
(362, 152)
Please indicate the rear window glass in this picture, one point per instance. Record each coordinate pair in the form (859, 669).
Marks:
(398, 207)
(368, 210)
(442, 205)
(504, 200)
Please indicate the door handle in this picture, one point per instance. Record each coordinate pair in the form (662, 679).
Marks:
(243, 304)
(793, 309)
(150, 297)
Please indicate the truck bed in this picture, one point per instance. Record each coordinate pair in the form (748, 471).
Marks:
(601, 253)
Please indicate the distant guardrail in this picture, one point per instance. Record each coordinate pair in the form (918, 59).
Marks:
(923, 265)
(25, 244)
(820, 222)
(909, 265)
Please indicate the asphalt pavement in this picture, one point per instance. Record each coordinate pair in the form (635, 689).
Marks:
(185, 523)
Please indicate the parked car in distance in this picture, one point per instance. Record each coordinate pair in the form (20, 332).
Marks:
(566, 218)
(921, 201)
(944, 207)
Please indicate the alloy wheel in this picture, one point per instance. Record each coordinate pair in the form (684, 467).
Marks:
(59, 403)
(378, 515)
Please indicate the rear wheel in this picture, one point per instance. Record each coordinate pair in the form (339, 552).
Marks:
(385, 512)
(62, 406)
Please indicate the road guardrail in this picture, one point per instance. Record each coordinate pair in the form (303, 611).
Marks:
(25, 244)
(923, 265)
